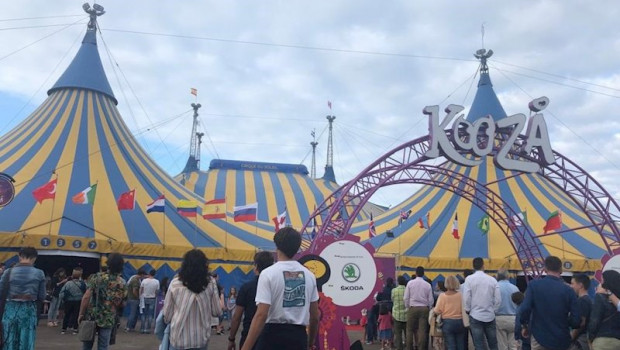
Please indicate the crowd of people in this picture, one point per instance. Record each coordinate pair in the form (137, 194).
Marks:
(483, 312)
(279, 308)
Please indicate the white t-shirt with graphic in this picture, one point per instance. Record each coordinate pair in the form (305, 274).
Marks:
(289, 288)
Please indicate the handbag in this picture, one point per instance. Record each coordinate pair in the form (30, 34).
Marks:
(87, 328)
(3, 296)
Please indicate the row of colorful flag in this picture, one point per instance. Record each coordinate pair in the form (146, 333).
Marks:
(553, 222)
(212, 210)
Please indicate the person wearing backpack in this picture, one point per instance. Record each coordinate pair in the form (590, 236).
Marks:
(71, 295)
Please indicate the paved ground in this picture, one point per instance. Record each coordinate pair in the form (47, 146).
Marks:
(50, 338)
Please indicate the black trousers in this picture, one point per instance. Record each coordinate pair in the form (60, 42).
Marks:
(278, 336)
(72, 309)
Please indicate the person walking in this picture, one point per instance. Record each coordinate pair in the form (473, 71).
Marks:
(505, 315)
(286, 301)
(418, 298)
(450, 307)
(245, 303)
(579, 336)
(231, 303)
(71, 295)
(604, 326)
(21, 287)
(133, 299)
(191, 301)
(148, 291)
(482, 297)
(59, 278)
(399, 312)
(104, 295)
(549, 310)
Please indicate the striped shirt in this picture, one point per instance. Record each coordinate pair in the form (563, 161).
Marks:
(189, 314)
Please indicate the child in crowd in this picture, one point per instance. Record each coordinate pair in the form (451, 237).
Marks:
(385, 327)
(517, 298)
(364, 322)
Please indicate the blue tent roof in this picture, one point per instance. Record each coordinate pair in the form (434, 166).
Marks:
(486, 102)
(86, 70)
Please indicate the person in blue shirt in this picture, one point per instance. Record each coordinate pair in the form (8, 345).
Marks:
(550, 309)
(26, 286)
(517, 298)
(505, 315)
(580, 284)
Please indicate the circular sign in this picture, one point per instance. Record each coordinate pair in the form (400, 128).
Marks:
(355, 272)
(568, 265)
(92, 245)
(613, 263)
(77, 244)
(7, 190)
(45, 242)
(319, 268)
(60, 242)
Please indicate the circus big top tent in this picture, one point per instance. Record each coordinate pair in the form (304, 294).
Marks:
(78, 139)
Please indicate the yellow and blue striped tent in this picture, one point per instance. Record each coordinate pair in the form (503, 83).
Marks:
(78, 137)
(273, 186)
(435, 247)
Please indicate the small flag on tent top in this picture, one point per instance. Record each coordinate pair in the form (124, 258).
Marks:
(193, 91)
(484, 224)
(87, 196)
(372, 230)
(519, 219)
(187, 208)
(404, 215)
(424, 221)
(329, 104)
(554, 222)
(245, 212)
(279, 221)
(455, 227)
(157, 206)
(47, 191)
(214, 209)
(127, 200)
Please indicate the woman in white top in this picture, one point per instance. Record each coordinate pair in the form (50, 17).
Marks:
(191, 300)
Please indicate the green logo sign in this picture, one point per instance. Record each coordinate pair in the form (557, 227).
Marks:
(351, 272)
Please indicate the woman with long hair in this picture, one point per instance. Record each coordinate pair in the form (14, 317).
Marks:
(21, 287)
(604, 324)
(231, 303)
(191, 301)
(59, 278)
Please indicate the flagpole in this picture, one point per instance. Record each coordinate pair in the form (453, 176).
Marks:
(49, 232)
(256, 221)
(164, 219)
(196, 227)
(226, 220)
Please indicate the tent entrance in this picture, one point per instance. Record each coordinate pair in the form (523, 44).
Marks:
(50, 261)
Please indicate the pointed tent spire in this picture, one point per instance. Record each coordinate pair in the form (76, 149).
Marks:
(86, 70)
(329, 166)
(485, 102)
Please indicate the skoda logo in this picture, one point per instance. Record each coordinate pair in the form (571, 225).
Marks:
(351, 272)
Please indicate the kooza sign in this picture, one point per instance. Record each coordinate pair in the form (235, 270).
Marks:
(477, 138)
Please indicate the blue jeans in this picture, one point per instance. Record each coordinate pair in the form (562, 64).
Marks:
(454, 334)
(103, 340)
(148, 315)
(132, 319)
(481, 330)
(52, 312)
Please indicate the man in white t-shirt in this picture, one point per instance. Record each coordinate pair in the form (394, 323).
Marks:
(148, 293)
(286, 301)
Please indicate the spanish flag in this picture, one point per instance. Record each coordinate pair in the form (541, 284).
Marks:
(214, 209)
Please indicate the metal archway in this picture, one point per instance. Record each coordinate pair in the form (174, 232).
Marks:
(404, 165)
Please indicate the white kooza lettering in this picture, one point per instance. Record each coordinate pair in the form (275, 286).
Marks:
(477, 138)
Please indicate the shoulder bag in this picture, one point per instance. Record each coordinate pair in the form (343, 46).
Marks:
(3, 297)
(87, 328)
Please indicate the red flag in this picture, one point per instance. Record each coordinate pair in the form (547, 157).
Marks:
(47, 191)
(554, 222)
(214, 209)
(279, 221)
(127, 200)
(193, 91)
(421, 223)
(455, 227)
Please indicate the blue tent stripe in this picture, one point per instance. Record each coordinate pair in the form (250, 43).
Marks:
(474, 242)
(300, 199)
(220, 184)
(278, 192)
(240, 188)
(261, 197)
(201, 183)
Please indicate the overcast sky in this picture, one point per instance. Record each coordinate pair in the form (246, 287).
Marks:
(265, 70)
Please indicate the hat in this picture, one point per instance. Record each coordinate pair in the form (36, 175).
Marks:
(611, 281)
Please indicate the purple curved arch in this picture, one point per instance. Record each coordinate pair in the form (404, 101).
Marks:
(403, 165)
